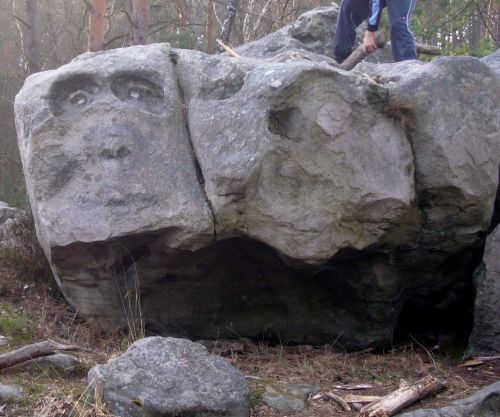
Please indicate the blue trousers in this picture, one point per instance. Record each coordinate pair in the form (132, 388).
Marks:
(353, 12)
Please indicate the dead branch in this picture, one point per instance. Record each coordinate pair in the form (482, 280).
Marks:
(354, 387)
(359, 54)
(35, 350)
(338, 400)
(228, 49)
(403, 397)
(361, 399)
(428, 49)
(477, 361)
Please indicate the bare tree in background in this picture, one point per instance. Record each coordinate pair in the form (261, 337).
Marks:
(28, 36)
(97, 25)
(33, 50)
(227, 26)
(140, 22)
(209, 32)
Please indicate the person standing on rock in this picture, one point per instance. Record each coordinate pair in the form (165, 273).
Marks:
(353, 12)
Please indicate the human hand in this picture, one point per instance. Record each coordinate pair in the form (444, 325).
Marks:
(369, 44)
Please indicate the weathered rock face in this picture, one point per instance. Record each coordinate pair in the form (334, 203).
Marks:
(485, 337)
(493, 60)
(310, 36)
(167, 377)
(280, 197)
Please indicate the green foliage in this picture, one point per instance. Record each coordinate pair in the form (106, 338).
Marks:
(15, 325)
(187, 40)
(459, 27)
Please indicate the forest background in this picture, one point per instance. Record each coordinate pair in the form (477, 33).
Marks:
(37, 35)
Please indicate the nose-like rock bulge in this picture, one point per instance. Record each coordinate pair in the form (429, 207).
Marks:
(260, 197)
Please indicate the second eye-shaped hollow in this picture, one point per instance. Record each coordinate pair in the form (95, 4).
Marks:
(139, 92)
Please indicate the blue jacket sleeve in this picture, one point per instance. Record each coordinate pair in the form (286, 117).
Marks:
(374, 16)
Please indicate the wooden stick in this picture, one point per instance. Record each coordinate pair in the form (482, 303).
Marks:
(361, 399)
(428, 49)
(35, 350)
(359, 54)
(228, 49)
(338, 400)
(403, 397)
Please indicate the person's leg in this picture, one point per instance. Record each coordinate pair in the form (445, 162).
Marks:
(351, 15)
(403, 43)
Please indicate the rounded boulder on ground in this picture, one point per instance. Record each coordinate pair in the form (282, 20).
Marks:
(164, 377)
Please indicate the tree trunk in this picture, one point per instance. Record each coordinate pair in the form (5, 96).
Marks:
(140, 22)
(227, 26)
(97, 24)
(209, 32)
(33, 47)
(475, 31)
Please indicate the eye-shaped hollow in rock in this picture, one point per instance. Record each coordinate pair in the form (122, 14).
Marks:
(140, 92)
(70, 96)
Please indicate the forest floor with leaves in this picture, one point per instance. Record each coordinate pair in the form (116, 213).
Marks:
(36, 312)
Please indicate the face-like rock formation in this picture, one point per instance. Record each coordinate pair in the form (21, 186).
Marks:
(214, 197)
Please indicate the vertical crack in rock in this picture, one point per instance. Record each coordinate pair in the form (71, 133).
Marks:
(199, 173)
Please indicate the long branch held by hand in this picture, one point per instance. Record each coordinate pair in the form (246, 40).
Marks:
(359, 54)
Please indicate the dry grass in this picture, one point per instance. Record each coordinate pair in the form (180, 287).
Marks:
(327, 367)
(40, 308)
(21, 256)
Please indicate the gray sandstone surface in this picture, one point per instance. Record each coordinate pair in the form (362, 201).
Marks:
(493, 60)
(167, 377)
(485, 337)
(59, 364)
(9, 393)
(273, 196)
(310, 36)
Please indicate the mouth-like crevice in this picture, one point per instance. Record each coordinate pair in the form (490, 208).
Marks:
(185, 114)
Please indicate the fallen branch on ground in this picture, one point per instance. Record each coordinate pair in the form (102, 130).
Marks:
(338, 400)
(478, 361)
(35, 350)
(353, 387)
(403, 397)
(361, 399)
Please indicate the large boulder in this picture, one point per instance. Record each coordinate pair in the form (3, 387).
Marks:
(167, 377)
(313, 31)
(279, 198)
(310, 36)
(493, 60)
(485, 337)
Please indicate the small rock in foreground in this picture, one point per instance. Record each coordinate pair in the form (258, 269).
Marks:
(59, 363)
(288, 397)
(169, 377)
(9, 393)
